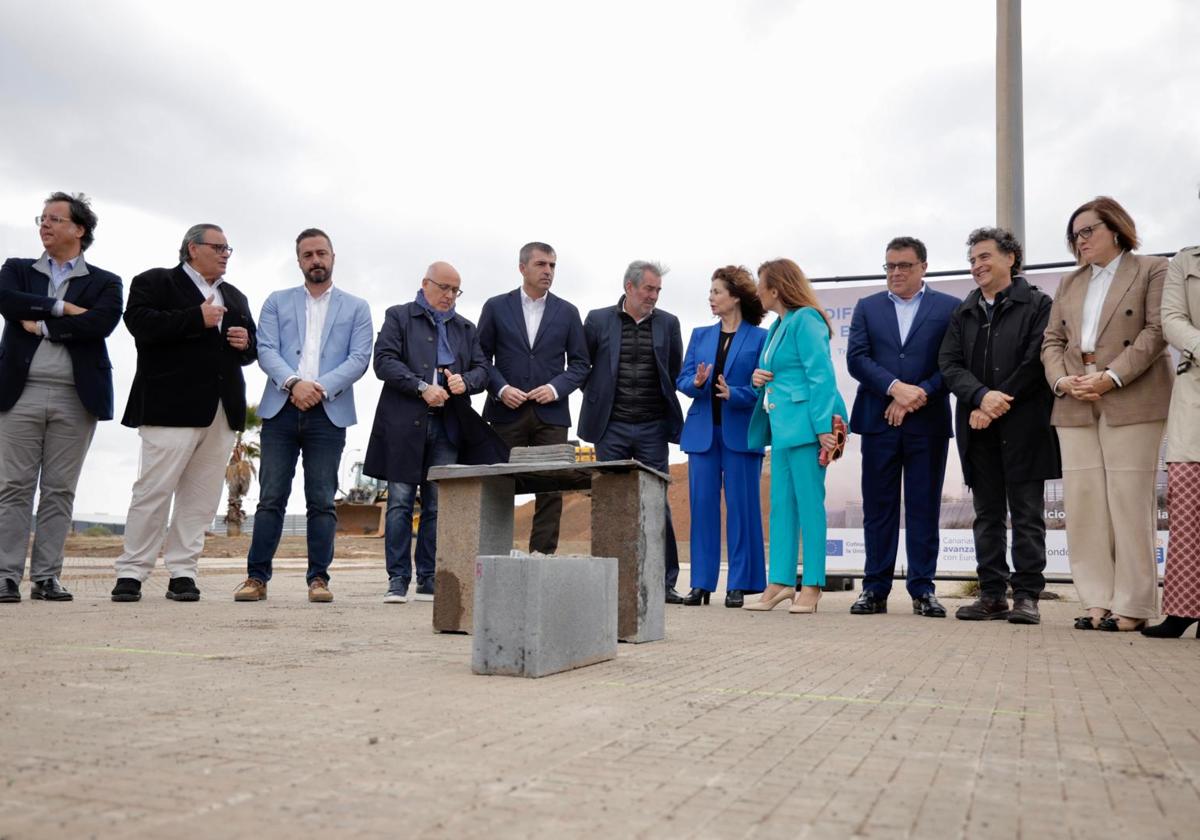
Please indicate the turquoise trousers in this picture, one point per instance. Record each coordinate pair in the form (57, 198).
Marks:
(797, 515)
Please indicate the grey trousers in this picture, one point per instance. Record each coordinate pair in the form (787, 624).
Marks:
(43, 441)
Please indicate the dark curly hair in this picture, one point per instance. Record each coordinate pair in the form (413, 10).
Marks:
(1005, 241)
(739, 282)
(81, 214)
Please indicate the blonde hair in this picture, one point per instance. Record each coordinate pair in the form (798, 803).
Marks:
(785, 277)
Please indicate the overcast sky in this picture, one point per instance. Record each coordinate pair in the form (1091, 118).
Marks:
(696, 133)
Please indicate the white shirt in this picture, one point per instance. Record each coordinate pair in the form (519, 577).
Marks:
(315, 310)
(533, 310)
(1097, 291)
(205, 287)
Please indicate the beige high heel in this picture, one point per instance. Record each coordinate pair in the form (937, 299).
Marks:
(801, 607)
(762, 605)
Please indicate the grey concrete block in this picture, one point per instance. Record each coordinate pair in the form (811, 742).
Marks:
(535, 616)
(475, 516)
(629, 522)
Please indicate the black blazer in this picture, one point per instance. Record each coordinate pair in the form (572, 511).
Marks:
(405, 356)
(558, 356)
(602, 331)
(24, 296)
(184, 369)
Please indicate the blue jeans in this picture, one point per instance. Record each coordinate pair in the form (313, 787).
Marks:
(645, 442)
(398, 531)
(287, 435)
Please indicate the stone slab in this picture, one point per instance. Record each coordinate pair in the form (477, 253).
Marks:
(535, 616)
(474, 517)
(629, 522)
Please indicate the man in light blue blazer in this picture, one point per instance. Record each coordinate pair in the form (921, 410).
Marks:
(314, 343)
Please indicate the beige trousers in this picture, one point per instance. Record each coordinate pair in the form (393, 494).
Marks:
(181, 464)
(1108, 494)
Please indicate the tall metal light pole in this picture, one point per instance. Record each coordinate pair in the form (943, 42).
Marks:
(1010, 131)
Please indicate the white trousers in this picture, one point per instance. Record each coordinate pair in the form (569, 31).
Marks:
(187, 466)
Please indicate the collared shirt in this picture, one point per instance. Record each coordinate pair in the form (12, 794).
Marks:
(58, 276)
(205, 287)
(1097, 291)
(533, 310)
(906, 311)
(315, 310)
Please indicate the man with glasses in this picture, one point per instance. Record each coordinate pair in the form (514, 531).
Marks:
(902, 412)
(535, 340)
(55, 383)
(194, 333)
(314, 343)
(426, 354)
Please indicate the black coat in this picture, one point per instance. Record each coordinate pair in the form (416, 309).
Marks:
(406, 355)
(185, 370)
(24, 296)
(1029, 442)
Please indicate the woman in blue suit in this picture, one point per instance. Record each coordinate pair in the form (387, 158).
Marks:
(795, 413)
(716, 375)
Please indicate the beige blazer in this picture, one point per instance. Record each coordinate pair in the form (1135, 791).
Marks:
(1181, 328)
(1129, 343)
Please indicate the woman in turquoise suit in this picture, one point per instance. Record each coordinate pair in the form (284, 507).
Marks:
(716, 375)
(796, 411)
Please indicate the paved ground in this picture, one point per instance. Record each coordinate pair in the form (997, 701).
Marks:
(285, 719)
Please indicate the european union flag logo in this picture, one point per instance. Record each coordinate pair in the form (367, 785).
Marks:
(833, 548)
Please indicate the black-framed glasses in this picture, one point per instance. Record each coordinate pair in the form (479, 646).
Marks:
(218, 247)
(1085, 233)
(900, 266)
(54, 220)
(446, 288)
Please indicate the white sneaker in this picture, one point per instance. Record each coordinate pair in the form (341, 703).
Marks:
(395, 598)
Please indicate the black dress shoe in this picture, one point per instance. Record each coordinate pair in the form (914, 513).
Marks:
(928, 606)
(869, 603)
(1024, 611)
(49, 590)
(127, 589)
(674, 597)
(735, 599)
(183, 589)
(1172, 627)
(10, 591)
(696, 597)
(984, 609)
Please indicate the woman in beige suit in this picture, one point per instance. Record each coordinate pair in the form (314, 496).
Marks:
(1181, 327)
(1107, 362)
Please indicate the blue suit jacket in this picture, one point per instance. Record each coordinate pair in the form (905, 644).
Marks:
(804, 395)
(875, 357)
(344, 357)
(25, 296)
(602, 331)
(558, 356)
(740, 362)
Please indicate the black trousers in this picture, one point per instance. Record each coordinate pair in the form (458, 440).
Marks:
(995, 497)
(528, 430)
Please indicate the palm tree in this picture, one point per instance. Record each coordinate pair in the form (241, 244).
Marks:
(240, 471)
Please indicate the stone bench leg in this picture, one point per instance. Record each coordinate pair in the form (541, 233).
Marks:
(475, 516)
(629, 522)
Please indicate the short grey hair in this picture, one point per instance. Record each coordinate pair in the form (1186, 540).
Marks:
(637, 271)
(195, 236)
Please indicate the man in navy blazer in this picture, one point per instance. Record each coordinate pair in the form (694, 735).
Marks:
(55, 383)
(630, 409)
(314, 343)
(902, 412)
(534, 340)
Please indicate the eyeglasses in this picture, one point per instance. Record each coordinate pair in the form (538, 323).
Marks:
(53, 220)
(218, 247)
(446, 288)
(904, 266)
(1085, 233)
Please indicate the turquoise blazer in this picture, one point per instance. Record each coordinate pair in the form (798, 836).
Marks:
(803, 396)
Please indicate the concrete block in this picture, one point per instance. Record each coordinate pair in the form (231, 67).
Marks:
(535, 616)
(629, 522)
(475, 516)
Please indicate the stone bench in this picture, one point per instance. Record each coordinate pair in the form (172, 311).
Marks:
(535, 616)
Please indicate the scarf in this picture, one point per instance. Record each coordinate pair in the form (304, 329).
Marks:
(445, 355)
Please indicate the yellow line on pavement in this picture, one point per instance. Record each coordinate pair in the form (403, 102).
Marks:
(836, 698)
(148, 652)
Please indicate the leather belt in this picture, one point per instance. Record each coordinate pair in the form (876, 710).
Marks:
(1089, 358)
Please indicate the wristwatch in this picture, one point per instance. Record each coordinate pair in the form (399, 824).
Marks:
(422, 387)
